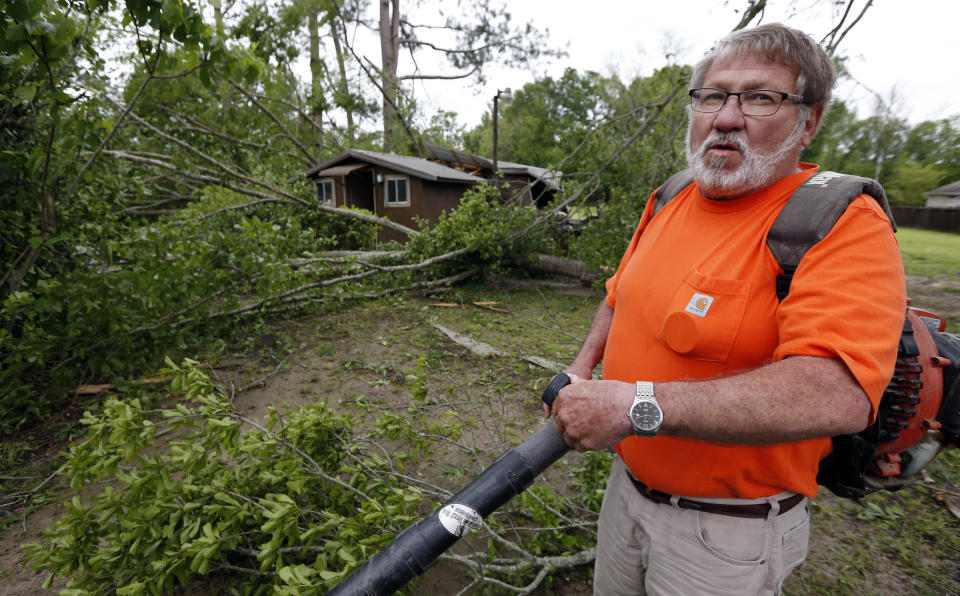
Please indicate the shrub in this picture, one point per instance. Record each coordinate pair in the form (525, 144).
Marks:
(286, 507)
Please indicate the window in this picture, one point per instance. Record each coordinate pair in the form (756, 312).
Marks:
(396, 192)
(325, 191)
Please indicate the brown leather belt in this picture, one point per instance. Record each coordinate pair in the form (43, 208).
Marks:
(754, 510)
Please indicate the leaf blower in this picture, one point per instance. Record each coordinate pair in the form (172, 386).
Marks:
(918, 416)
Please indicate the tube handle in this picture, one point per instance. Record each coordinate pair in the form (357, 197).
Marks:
(550, 393)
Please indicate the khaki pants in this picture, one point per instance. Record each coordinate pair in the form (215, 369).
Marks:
(652, 548)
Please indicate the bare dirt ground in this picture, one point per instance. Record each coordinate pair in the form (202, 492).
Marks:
(903, 544)
(941, 296)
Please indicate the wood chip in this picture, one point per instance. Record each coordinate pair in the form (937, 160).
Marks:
(545, 363)
(95, 389)
(477, 347)
(487, 306)
(951, 504)
(445, 304)
(92, 389)
(163, 379)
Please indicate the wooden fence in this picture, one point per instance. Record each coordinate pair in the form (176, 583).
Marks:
(927, 218)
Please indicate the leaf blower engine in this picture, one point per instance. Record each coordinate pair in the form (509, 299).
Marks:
(919, 413)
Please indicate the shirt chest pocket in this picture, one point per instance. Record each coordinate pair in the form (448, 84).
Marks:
(704, 316)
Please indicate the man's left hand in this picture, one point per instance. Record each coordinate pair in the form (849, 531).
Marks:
(592, 415)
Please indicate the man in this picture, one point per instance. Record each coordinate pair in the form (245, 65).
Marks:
(748, 389)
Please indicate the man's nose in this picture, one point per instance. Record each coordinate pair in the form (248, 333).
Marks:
(729, 117)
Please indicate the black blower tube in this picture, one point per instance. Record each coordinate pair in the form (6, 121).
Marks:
(415, 549)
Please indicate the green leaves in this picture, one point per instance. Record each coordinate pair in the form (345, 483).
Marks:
(25, 10)
(482, 224)
(25, 94)
(148, 533)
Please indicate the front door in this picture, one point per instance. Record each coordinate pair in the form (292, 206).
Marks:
(360, 190)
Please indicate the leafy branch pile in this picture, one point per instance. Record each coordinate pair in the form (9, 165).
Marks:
(288, 507)
(191, 277)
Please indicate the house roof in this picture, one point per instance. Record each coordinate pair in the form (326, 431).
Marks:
(414, 166)
(345, 163)
(339, 170)
(452, 156)
(950, 190)
(548, 177)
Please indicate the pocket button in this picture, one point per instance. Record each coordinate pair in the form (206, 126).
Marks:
(680, 332)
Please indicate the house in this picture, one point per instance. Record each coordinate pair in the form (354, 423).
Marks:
(402, 188)
(945, 197)
(397, 187)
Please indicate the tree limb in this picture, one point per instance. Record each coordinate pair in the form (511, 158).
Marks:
(546, 565)
(832, 47)
(151, 69)
(438, 77)
(754, 8)
(310, 158)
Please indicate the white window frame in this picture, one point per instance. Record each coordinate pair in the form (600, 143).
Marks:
(328, 200)
(386, 191)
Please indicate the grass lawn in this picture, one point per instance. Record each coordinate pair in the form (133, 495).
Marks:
(930, 254)
(932, 263)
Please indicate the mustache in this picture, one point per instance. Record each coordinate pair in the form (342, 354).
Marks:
(723, 138)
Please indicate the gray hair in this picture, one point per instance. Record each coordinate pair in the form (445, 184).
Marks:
(778, 43)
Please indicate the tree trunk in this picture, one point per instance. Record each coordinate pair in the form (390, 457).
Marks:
(344, 88)
(316, 74)
(553, 264)
(389, 53)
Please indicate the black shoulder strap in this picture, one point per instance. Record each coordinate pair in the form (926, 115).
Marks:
(671, 188)
(809, 215)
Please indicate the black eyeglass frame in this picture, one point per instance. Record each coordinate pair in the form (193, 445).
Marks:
(783, 96)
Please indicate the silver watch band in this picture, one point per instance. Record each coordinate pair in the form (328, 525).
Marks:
(645, 392)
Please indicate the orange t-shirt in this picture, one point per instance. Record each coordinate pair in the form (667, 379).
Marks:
(694, 297)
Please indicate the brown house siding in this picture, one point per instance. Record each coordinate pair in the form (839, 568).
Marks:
(444, 197)
(426, 199)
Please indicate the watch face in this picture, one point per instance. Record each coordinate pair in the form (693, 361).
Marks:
(646, 416)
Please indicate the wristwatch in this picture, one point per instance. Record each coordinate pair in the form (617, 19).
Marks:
(645, 413)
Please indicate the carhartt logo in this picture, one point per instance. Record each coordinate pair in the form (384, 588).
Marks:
(699, 305)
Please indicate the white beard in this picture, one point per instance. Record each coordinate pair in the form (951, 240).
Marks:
(757, 171)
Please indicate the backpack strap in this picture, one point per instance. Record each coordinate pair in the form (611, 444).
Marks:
(809, 215)
(671, 188)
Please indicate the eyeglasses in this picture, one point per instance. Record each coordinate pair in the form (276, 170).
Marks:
(755, 102)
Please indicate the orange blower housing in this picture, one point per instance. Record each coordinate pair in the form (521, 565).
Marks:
(918, 416)
(919, 413)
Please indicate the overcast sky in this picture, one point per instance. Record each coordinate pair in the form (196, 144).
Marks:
(910, 45)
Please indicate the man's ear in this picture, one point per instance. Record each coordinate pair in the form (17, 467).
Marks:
(812, 125)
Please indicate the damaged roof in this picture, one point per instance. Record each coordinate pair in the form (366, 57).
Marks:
(479, 168)
(414, 166)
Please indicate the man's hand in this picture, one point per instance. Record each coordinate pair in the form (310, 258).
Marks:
(592, 349)
(577, 374)
(592, 415)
